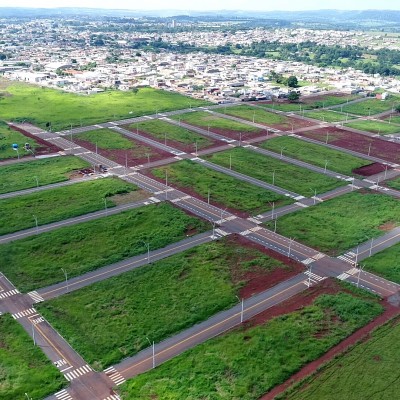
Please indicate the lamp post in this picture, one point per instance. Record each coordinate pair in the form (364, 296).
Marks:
(105, 205)
(273, 178)
(66, 278)
(358, 277)
(36, 223)
(242, 309)
(37, 181)
(154, 355)
(148, 251)
(290, 246)
(326, 164)
(315, 195)
(370, 249)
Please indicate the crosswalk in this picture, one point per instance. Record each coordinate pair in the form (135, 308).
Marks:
(343, 276)
(63, 395)
(114, 375)
(349, 258)
(35, 296)
(113, 397)
(76, 373)
(218, 233)
(9, 293)
(24, 313)
(312, 278)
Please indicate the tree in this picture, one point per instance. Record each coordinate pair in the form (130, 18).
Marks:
(292, 81)
(398, 108)
(293, 96)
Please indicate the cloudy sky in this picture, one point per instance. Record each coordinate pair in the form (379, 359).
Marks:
(262, 5)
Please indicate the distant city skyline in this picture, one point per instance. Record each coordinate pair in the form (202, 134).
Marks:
(205, 5)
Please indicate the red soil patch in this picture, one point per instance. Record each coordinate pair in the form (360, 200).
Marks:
(136, 156)
(371, 169)
(44, 146)
(383, 149)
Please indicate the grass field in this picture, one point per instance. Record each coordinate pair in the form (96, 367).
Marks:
(246, 363)
(381, 128)
(8, 137)
(259, 115)
(164, 131)
(385, 263)
(223, 189)
(395, 119)
(366, 371)
(23, 367)
(31, 103)
(341, 223)
(325, 115)
(106, 139)
(369, 107)
(23, 175)
(110, 320)
(36, 261)
(287, 176)
(205, 120)
(19, 213)
(315, 154)
(393, 183)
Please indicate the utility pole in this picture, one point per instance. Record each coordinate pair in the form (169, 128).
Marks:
(66, 278)
(154, 354)
(242, 309)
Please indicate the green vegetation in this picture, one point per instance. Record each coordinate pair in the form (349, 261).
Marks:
(383, 128)
(395, 119)
(259, 115)
(286, 107)
(250, 361)
(385, 263)
(315, 154)
(106, 139)
(24, 368)
(37, 261)
(50, 170)
(29, 102)
(164, 131)
(223, 189)
(393, 183)
(287, 176)
(325, 115)
(341, 378)
(368, 107)
(8, 137)
(205, 119)
(110, 320)
(343, 222)
(19, 213)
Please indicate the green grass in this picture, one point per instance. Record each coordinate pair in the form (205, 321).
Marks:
(162, 130)
(341, 223)
(110, 320)
(382, 128)
(8, 137)
(325, 115)
(205, 120)
(23, 175)
(106, 139)
(23, 367)
(246, 363)
(18, 213)
(386, 263)
(260, 116)
(393, 183)
(223, 189)
(36, 261)
(315, 154)
(369, 107)
(287, 176)
(286, 107)
(29, 102)
(395, 119)
(341, 378)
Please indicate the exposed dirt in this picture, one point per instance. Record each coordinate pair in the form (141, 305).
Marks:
(383, 149)
(371, 169)
(305, 99)
(388, 226)
(136, 156)
(44, 146)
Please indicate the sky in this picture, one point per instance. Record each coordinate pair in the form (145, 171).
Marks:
(261, 5)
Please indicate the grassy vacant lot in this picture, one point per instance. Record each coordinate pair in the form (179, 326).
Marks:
(24, 368)
(8, 137)
(382, 128)
(395, 119)
(106, 139)
(18, 213)
(37, 261)
(162, 130)
(50, 170)
(248, 362)
(315, 154)
(260, 116)
(110, 320)
(341, 223)
(287, 176)
(223, 189)
(385, 263)
(393, 183)
(205, 120)
(366, 371)
(41, 105)
(325, 115)
(369, 107)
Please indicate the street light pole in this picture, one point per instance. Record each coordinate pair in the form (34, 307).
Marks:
(358, 277)
(242, 309)
(105, 205)
(370, 249)
(148, 251)
(66, 278)
(36, 223)
(309, 274)
(290, 246)
(273, 178)
(230, 161)
(326, 164)
(37, 181)
(154, 355)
